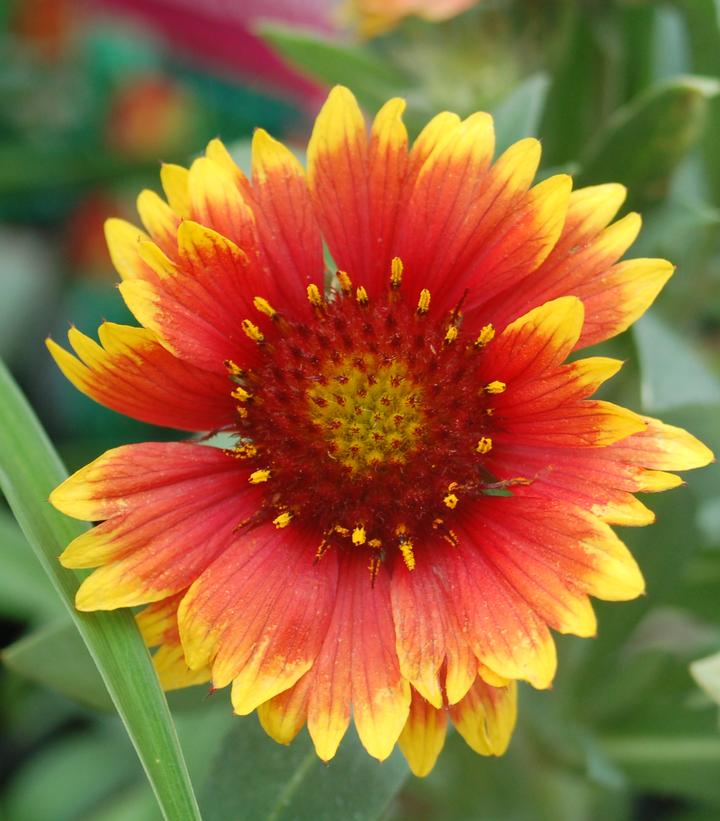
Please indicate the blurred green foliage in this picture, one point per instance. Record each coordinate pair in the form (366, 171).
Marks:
(623, 90)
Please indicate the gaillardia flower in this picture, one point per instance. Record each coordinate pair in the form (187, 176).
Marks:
(420, 485)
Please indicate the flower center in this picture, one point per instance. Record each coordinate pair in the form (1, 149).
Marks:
(370, 411)
(369, 423)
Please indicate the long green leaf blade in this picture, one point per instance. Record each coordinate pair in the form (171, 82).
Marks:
(29, 470)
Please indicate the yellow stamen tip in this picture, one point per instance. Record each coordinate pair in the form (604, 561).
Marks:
(451, 334)
(259, 476)
(345, 281)
(262, 305)
(375, 543)
(240, 394)
(396, 272)
(245, 451)
(495, 387)
(233, 369)
(358, 536)
(314, 295)
(484, 445)
(252, 331)
(451, 501)
(406, 548)
(423, 301)
(487, 333)
(283, 520)
(361, 295)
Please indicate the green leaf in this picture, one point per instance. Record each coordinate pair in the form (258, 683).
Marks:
(672, 373)
(706, 672)
(292, 784)
(25, 592)
(370, 78)
(65, 779)
(669, 764)
(29, 470)
(518, 114)
(56, 657)
(645, 140)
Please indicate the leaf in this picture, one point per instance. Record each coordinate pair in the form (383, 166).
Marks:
(669, 764)
(65, 779)
(371, 78)
(672, 373)
(25, 592)
(644, 141)
(518, 114)
(292, 784)
(29, 470)
(706, 672)
(55, 656)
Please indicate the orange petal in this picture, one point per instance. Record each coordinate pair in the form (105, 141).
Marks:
(259, 614)
(171, 508)
(197, 306)
(358, 664)
(132, 373)
(337, 173)
(286, 221)
(504, 631)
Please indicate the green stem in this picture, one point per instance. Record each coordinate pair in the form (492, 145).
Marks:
(29, 469)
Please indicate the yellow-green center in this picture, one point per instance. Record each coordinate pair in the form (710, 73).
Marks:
(369, 412)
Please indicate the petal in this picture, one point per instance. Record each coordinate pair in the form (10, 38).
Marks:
(217, 203)
(158, 625)
(123, 240)
(337, 174)
(197, 307)
(583, 263)
(512, 550)
(423, 736)
(555, 539)
(259, 614)
(284, 715)
(170, 509)
(358, 664)
(287, 224)
(536, 342)
(160, 221)
(444, 206)
(175, 183)
(421, 626)
(504, 632)
(486, 717)
(133, 374)
(387, 168)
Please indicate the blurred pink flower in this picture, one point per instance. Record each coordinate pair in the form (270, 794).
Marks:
(220, 33)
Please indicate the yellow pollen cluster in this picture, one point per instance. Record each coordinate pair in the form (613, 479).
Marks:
(369, 413)
(487, 334)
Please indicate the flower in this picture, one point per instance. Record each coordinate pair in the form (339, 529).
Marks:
(420, 486)
(377, 16)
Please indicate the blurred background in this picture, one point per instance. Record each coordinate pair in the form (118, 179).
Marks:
(94, 94)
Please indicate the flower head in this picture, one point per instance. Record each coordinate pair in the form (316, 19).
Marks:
(420, 485)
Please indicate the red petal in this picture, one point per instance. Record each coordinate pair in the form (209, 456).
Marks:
(259, 614)
(170, 509)
(132, 373)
